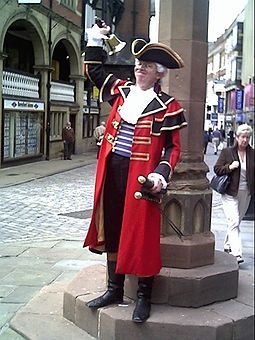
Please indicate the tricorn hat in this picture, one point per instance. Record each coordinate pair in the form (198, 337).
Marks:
(156, 52)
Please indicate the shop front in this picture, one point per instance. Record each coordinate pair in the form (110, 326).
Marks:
(22, 130)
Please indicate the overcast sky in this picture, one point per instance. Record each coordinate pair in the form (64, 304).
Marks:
(221, 15)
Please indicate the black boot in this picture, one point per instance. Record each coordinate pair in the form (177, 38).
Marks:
(143, 303)
(115, 291)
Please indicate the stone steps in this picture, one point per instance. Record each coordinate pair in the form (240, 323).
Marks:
(227, 320)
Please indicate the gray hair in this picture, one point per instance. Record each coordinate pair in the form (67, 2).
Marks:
(161, 68)
(244, 128)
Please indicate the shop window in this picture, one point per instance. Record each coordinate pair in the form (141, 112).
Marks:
(72, 4)
(57, 123)
(22, 134)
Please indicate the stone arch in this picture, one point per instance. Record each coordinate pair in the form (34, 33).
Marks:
(35, 31)
(72, 50)
(198, 217)
(173, 210)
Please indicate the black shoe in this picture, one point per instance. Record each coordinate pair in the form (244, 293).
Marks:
(115, 291)
(227, 250)
(143, 303)
(239, 259)
(142, 310)
(69, 159)
(108, 298)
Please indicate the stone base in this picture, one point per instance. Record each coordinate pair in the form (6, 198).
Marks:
(189, 252)
(193, 287)
(232, 319)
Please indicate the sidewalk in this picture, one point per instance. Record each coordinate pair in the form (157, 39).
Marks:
(29, 172)
(34, 275)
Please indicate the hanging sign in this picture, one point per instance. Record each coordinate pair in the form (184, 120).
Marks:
(239, 99)
(220, 104)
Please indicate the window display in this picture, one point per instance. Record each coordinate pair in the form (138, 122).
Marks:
(22, 134)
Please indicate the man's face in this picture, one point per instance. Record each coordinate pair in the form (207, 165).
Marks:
(146, 74)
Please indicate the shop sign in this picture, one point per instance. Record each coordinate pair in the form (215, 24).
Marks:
(220, 104)
(229, 118)
(214, 116)
(239, 99)
(26, 2)
(249, 95)
(20, 105)
(239, 117)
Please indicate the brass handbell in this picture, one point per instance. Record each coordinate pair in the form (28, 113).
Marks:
(113, 44)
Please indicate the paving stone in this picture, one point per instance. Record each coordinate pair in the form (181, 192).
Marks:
(47, 328)
(9, 334)
(5, 270)
(7, 311)
(30, 277)
(21, 294)
(12, 250)
(52, 253)
(6, 290)
(74, 264)
(42, 319)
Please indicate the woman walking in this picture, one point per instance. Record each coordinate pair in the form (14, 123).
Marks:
(238, 162)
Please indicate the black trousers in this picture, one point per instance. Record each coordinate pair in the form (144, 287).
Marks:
(114, 199)
(68, 149)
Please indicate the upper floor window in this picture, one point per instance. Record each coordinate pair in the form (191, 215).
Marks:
(72, 4)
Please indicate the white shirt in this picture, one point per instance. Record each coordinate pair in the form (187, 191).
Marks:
(135, 103)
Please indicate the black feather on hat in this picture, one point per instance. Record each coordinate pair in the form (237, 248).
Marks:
(157, 53)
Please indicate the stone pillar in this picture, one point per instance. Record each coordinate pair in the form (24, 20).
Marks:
(183, 27)
(79, 90)
(2, 57)
(43, 71)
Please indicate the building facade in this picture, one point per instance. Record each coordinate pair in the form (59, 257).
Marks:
(230, 74)
(42, 82)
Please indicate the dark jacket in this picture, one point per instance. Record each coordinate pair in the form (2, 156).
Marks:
(221, 167)
(68, 135)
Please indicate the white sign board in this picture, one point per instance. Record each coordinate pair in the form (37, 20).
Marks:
(21, 105)
(22, 2)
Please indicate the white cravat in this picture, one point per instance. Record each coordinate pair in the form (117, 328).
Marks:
(135, 103)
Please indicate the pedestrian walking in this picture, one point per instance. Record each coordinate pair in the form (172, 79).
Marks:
(216, 139)
(238, 162)
(231, 137)
(99, 134)
(68, 140)
(206, 140)
(143, 122)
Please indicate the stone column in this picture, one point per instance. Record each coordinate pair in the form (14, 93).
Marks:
(43, 71)
(2, 57)
(78, 110)
(183, 27)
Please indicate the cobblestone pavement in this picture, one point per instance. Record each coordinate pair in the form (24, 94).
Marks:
(57, 206)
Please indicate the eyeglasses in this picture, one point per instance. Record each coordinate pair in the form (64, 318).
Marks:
(144, 64)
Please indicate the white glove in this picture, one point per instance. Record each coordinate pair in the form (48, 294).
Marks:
(158, 180)
(97, 35)
(234, 165)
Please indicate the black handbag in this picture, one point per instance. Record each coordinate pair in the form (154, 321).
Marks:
(220, 183)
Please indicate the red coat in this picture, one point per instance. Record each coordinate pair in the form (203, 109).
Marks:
(157, 128)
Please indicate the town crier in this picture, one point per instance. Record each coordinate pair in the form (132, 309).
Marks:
(141, 138)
